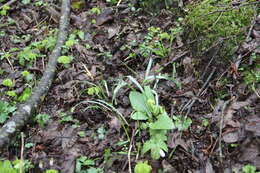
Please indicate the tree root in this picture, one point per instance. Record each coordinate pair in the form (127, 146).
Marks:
(24, 112)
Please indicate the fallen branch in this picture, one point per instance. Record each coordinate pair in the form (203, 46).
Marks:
(22, 115)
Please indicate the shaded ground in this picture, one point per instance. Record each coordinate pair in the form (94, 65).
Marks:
(225, 113)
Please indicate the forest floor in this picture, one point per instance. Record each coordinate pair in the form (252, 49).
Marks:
(85, 122)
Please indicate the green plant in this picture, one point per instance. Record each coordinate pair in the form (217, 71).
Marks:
(81, 34)
(182, 123)
(65, 60)
(213, 20)
(33, 51)
(29, 145)
(83, 161)
(82, 134)
(249, 169)
(142, 167)
(146, 107)
(156, 41)
(95, 10)
(25, 2)
(205, 122)
(66, 118)
(27, 75)
(41, 119)
(8, 83)
(7, 166)
(70, 42)
(5, 110)
(77, 4)
(25, 95)
(94, 91)
(3, 11)
(11, 94)
(28, 54)
(101, 132)
(51, 171)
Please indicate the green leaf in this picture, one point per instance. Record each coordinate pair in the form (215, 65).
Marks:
(11, 93)
(25, 95)
(25, 2)
(65, 59)
(164, 36)
(249, 169)
(181, 123)
(81, 35)
(156, 147)
(8, 83)
(142, 167)
(158, 134)
(5, 110)
(138, 101)
(70, 43)
(51, 171)
(163, 122)
(148, 93)
(139, 116)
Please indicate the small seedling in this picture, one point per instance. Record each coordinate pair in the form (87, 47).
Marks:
(25, 95)
(101, 133)
(82, 162)
(143, 167)
(27, 75)
(51, 171)
(42, 119)
(65, 60)
(29, 145)
(205, 122)
(95, 10)
(4, 10)
(8, 83)
(249, 169)
(82, 134)
(11, 94)
(182, 123)
(5, 110)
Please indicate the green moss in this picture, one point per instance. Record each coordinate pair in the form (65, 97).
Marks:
(213, 20)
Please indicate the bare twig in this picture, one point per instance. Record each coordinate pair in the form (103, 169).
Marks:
(239, 58)
(190, 103)
(21, 157)
(220, 130)
(24, 112)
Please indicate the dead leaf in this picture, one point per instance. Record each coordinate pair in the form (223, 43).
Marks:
(167, 167)
(112, 31)
(115, 123)
(105, 17)
(175, 140)
(231, 137)
(253, 125)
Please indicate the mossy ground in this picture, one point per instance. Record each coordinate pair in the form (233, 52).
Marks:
(211, 21)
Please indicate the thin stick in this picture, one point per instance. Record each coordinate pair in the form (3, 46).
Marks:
(24, 111)
(220, 130)
(118, 3)
(22, 149)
